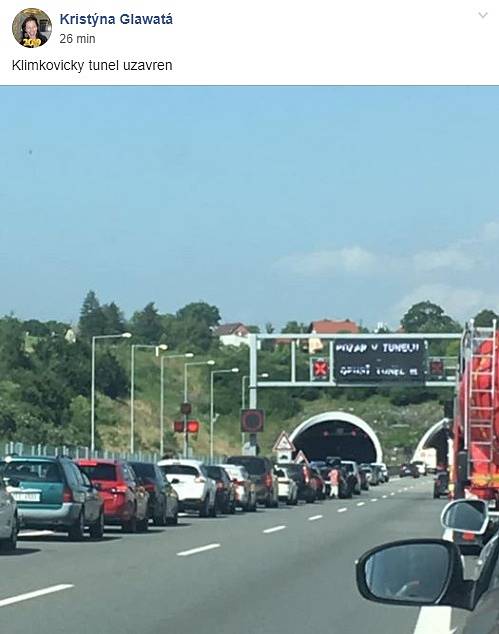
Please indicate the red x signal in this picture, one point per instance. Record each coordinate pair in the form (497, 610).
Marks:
(320, 370)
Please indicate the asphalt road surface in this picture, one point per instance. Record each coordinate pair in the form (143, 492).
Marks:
(281, 570)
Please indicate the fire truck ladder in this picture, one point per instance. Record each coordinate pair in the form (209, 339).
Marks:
(480, 418)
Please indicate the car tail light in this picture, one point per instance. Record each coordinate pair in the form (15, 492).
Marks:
(306, 475)
(119, 488)
(267, 480)
(468, 537)
(67, 495)
(200, 480)
(149, 488)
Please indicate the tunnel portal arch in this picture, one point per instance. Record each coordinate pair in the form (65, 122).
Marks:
(337, 433)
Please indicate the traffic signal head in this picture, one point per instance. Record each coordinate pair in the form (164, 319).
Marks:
(319, 369)
(252, 420)
(192, 426)
(178, 426)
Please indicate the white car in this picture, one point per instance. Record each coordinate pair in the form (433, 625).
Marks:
(288, 489)
(384, 470)
(8, 520)
(196, 491)
(421, 467)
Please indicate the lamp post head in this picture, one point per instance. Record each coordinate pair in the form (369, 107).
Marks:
(189, 355)
(264, 375)
(163, 346)
(210, 362)
(235, 370)
(126, 335)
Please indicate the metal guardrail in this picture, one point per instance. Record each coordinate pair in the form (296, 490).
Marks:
(28, 449)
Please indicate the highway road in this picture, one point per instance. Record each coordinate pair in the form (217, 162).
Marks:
(281, 570)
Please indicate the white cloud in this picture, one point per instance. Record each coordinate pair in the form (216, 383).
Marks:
(451, 258)
(458, 302)
(352, 259)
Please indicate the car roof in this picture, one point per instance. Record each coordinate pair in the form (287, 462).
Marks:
(37, 458)
(179, 461)
(90, 462)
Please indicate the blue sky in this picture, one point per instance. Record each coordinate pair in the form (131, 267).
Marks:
(272, 203)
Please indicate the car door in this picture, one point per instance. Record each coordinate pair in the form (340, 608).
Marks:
(162, 490)
(93, 503)
(6, 511)
(141, 495)
(484, 619)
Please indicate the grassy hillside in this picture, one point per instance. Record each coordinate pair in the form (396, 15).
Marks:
(397, 427)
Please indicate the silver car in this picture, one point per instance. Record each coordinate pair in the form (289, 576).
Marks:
(8, 520)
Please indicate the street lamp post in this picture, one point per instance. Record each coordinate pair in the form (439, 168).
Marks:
(125, 335)
(263, 375)
(187, 355)
(157, 348)
(186, 365)
(212, 406)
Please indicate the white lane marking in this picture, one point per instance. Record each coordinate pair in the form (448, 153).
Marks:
(360, 503)
(35, 533)
(434, 619)
(194, 551)
(36, 593)
(392, 493)
(274, 529)
(315, 517)
(406, 489)
(342, 510)
(183, 514)
(384, 497)
(399, 491)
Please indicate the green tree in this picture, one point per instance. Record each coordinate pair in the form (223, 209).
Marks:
(428, 317)
(92, 320)
(293, 327)
(200, 312)
(147, 325)
(485, 317)
(113, 318)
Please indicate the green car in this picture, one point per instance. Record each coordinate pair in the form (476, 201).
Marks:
(52, 493)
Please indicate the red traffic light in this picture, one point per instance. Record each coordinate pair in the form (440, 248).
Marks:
(252, 420)
(192, 426)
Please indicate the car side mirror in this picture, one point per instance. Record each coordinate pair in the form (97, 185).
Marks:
(175, 481)
(466, 516)
(414, 572)
(12, 482)
(280, 473)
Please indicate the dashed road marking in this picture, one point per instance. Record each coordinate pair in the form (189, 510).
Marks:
(315, 517)
(36, 593)
(392, 493)
(342, 510)
(384, 497)
(274, 529)
(35, 533)
(195, 551)
(374, 500)
(360, 503)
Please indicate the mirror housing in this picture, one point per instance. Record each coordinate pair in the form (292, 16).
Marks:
(12, 482)
(175, 481)
(415, 572)
(466, 516)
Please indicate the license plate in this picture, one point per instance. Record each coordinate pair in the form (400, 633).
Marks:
(25, 497)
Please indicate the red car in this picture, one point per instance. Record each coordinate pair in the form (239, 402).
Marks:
(320, 485)
(124, 495)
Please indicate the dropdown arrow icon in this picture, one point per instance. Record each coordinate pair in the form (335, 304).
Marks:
(483, 15)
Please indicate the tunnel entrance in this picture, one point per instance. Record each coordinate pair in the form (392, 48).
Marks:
(337, 434)
(436, 437)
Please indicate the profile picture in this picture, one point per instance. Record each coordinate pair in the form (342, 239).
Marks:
(32, 28)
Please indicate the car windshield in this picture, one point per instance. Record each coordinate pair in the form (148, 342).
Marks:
(214, 472)
(144, 470)
(100, 471)
(348, 466)
(31, 470)
(179, 469)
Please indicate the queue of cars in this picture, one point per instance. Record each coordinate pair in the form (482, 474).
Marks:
(85, 495)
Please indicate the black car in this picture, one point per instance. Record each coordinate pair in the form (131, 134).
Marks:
(261, 472)
(301, 475)
(441, 484)
(225, 497)
(162, 505)
(408, 470)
